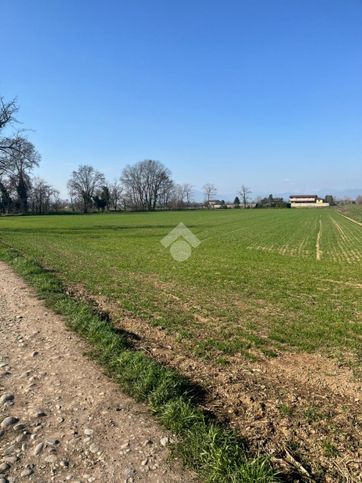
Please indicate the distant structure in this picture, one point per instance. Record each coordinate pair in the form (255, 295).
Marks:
(220, 204)
(215, 204)
(307, 201)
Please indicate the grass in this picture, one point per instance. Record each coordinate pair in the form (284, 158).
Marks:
(215, 452)
(253, 287)
(330, 449)
(252, 290)
(285, 410)
(312, 414)
(353, 211)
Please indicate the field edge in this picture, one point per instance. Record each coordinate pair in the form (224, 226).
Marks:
(213, 451)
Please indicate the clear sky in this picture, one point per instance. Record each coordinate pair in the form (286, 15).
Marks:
(262, 92)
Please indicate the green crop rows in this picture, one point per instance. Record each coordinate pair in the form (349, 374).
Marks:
(258, 282)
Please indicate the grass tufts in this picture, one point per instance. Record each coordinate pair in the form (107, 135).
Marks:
(213, 451)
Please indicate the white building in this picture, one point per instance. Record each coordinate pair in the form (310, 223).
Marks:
(307, 201)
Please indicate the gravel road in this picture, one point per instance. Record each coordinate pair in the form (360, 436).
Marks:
(61, 418)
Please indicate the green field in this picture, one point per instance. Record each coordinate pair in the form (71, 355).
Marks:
(353, 211)
(257, 283)
(264, 316)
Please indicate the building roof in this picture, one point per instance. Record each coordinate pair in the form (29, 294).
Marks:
(303, 196)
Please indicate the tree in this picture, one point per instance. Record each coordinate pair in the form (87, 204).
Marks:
(209, 192)
(330, 199)
(272, 202)
(102, 199)
(244, 193)
(7, 112)
(42, 196)
(237, 202)
(18, 157)
(116, 191)
(83, 185)
(188, 192)
(99, 203)
(20, 162)
(144, 183)
(5, 198)
(359, 200)
(106, 197)
(167, 195)
(179, 195)
(7, 144)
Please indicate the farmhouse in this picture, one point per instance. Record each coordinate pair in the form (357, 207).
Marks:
(307, 201)
(215, 204)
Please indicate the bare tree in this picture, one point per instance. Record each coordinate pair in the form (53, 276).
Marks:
(7, 112)
(144, 183)
(42, 196)
(83, 185)
(166, 196)
(209, 192)
(8, 145)
(174, 198)
(359, 200)
(57, 203)
(188, 192)
(18, 157)
(116, 191)
(244, 193)
(180, 195)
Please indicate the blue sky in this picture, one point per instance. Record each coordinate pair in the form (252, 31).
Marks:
(261, 92)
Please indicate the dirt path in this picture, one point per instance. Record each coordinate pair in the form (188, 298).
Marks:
(74, 423)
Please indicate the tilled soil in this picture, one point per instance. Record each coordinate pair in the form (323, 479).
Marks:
(304, 410)
(61, 418)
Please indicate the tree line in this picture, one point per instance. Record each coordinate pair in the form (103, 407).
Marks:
(146, 185)
(19, 192)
